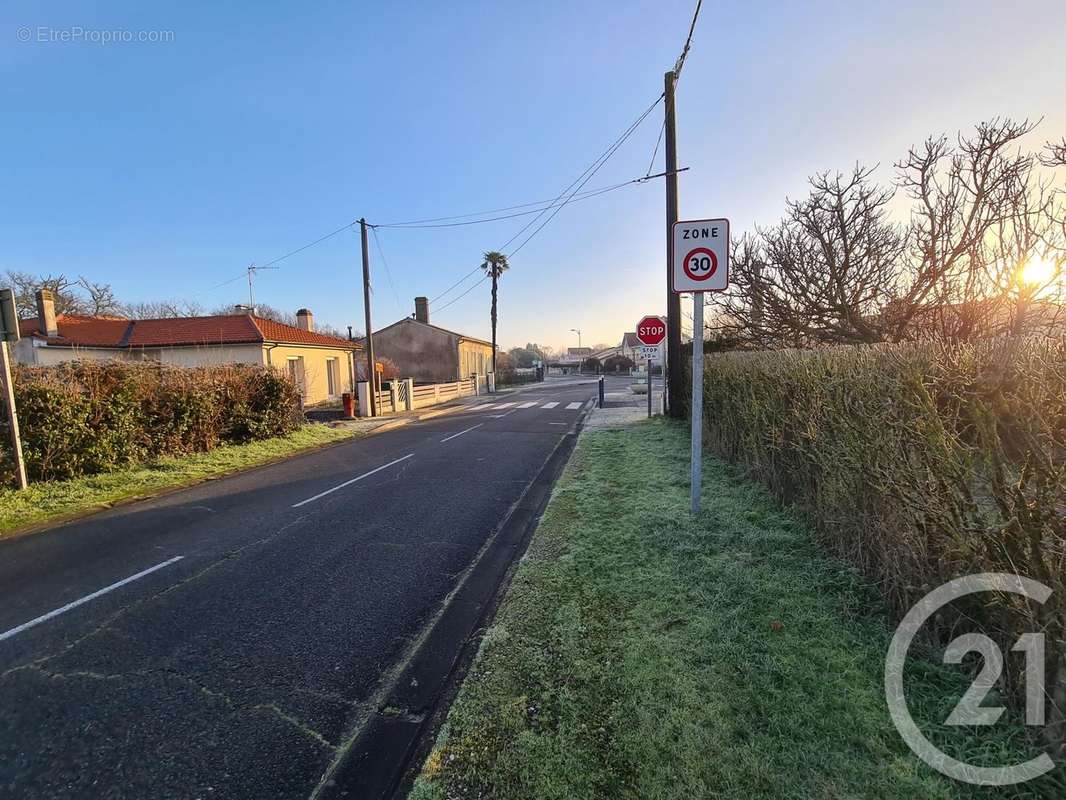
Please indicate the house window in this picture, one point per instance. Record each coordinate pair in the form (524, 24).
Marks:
(296, 372)
(332, 377)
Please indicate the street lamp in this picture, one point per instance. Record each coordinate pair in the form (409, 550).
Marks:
(578, 332)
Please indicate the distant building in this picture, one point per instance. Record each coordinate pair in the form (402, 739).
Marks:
(577, 354)
(630, 346)
(322, 366)
(429, 353)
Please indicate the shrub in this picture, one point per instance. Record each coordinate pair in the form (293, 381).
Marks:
(85, 417)
(919, 464)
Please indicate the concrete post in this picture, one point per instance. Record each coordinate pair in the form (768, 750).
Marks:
(362, 392)
(410, 393)
(394, 394)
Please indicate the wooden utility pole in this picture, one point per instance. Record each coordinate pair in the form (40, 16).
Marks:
(12, 415)
(370, 365)
(673, 377)
(9, 332)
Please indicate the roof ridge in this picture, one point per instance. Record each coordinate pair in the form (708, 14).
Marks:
(255, 324)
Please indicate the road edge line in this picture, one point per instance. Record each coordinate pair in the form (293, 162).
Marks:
(412, 735)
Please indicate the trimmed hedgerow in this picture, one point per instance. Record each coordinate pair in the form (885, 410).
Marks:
(919, 464)
(86, 417)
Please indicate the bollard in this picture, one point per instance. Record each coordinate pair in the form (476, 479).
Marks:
(601, 391)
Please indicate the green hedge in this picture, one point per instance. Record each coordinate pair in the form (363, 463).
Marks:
(85, 417)
(919, 464)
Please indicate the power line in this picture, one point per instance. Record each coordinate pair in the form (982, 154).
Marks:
(688, 42)
(464, 294)
(602, 160)
(388, 272)
(225, 283)
(658, 142)
(309, 244)
(555, 204)
(550, 204)
(439, 296)
(581, 179)
(269, 264)
(642, 179)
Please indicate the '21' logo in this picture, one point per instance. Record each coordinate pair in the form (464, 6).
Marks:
(969, 711)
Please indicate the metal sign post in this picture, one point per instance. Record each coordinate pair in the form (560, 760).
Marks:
(697, 401)
(651, 331)
(649, 387)
(9, 332)
(700, 251)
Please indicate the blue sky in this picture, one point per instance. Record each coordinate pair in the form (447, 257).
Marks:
(165, 168)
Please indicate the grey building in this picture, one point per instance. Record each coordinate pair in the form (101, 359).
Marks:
(429, 353)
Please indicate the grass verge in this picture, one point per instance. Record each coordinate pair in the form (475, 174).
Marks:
(640, 653)
(53, 501)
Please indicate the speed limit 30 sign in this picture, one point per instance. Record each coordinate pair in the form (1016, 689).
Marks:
(701, 255)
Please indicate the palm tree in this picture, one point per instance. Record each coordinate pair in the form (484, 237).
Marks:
(494, 265)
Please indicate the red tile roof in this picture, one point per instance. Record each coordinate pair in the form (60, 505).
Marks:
(79, 331)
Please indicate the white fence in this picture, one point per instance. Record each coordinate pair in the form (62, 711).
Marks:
(434, 393)
(403, 395)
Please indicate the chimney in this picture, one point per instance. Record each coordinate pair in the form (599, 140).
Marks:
(422, 309)
(305, 320)
(46, 312)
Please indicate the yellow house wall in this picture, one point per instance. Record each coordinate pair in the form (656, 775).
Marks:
(474, 357)
(315, 382)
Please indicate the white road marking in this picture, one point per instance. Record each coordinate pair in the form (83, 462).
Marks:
(449, 438)
(590, 404)
(86, 599)
(573, 406)
(484, 407)
(558, 423)
(529, 404)
(505, 405)
(349, 483)
(549, 405)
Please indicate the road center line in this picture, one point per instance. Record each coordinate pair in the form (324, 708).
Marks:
(449, 438)
(350, 482)
(86, 599)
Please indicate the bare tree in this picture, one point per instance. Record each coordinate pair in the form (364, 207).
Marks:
(1054, 154)
(25, 286)
(837, 269)
(823, 272)
(962, 194)
(162, 309)
(100, 298)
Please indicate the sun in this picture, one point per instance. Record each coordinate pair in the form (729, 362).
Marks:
(1038, 271)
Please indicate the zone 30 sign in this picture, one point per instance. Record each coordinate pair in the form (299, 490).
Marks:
(701, 255)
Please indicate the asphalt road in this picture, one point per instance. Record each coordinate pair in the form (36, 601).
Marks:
(264, 626)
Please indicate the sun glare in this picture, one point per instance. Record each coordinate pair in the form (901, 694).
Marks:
(1038, 271)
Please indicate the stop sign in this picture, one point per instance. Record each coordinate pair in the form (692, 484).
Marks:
(651, 330)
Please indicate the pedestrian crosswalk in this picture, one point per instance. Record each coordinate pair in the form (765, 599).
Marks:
(516, 406)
